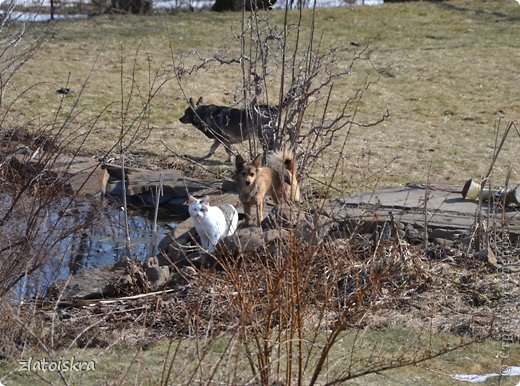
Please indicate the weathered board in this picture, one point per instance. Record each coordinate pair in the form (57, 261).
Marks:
(436, 206)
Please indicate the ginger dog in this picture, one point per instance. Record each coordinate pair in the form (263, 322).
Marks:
(277, 180)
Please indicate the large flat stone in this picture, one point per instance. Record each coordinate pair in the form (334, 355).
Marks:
(436, 206)
(83, 175)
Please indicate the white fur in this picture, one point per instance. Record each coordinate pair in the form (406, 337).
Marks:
(211, 223)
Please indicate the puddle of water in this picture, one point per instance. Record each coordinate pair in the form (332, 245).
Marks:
(105, 241)
(101, 242)
(510, 371)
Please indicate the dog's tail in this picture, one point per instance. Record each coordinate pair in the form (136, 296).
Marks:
(284, 162)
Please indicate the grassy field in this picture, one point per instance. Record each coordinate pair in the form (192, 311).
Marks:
(148, 366)
(446, 73)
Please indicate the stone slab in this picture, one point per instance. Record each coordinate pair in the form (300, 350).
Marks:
(436, 205)
(84, 176)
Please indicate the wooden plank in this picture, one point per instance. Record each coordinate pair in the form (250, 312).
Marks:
(443, 205)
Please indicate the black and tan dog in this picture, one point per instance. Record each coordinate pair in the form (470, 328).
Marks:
(277, 180)
(228, 125)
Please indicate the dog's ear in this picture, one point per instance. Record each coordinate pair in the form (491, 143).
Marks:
(239, 162)
(199, 101)
(257, 162)
(191, 102)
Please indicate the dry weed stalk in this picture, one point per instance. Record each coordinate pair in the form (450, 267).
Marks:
(484, 229)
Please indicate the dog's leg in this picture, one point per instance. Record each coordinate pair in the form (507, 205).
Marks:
(212, 149)
(227, 146)
(247, 212)
(260, 211)
(229, 155)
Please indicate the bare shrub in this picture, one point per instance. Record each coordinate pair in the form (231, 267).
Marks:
(287, 68)
(287, 309)
(287, 314)
(14, 49)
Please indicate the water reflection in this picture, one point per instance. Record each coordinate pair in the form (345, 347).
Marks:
(105, 241)
(78, 235)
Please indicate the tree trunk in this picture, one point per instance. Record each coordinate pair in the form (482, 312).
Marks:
(237, 5)
(133, 6)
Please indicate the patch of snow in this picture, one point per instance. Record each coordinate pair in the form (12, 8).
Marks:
(197, 4)
(40, 17)
(510, 371)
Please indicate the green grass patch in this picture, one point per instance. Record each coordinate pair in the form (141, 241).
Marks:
(224, 360)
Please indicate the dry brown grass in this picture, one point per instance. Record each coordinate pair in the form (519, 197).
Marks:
(446, 76)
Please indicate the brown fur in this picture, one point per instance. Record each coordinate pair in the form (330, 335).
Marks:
(277, 180)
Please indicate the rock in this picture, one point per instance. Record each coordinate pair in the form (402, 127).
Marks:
(182, 246)
(157, 275)
(163, 259)
(89, 183)
(84, 177)
(277, 242)
(310, 228)
(281, 217)
(181, 277)
(184, 249)
(248, 240)
(94, 283)
(314, 228)
(440, 233)
(86, 284)
(443, 237)
(486, 255)
(443, 242)
(133, 281)
(142, 185)
(445, 209)
(80, 176)
(412, 235)
(274, 235)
